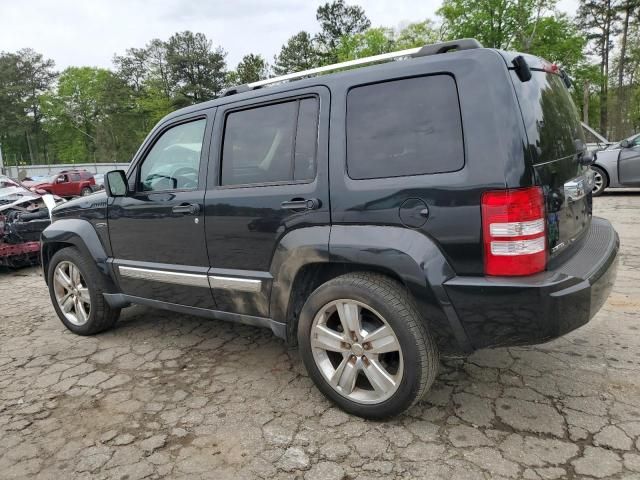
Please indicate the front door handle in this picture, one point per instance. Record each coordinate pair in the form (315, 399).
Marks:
(187, 209)
(301, 204)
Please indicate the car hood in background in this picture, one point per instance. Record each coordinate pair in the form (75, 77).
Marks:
(13, 196)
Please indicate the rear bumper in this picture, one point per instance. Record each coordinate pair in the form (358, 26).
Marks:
(507, 311)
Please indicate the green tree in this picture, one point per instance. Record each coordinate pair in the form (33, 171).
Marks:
(251, 68)
(374, 41)
(146, 71)
(24, 77)
(495, 23)
(599, 18)
(417, 35)
(11, 108)
(556, 39)
(195, 68)
(91, 116)
(338, 20)
(299, 53)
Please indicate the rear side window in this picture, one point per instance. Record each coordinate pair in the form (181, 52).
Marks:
(404, 127)
(270, 144)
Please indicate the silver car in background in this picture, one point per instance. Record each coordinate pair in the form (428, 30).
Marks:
(618, 165)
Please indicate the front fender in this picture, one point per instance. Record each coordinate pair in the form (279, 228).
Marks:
(417, 261)
(78, 233)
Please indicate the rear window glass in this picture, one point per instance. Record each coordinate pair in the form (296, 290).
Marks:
(550, 116)
(404, 127)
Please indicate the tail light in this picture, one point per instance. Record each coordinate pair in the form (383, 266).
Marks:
(513, 227)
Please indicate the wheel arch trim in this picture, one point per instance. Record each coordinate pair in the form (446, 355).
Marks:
(77, 233)
(407, 254)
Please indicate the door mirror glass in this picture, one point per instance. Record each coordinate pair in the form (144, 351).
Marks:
(115, 183)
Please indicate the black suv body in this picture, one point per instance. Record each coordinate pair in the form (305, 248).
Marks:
(447, 197)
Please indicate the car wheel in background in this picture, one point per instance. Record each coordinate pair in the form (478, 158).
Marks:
(600, 181)
(86, 191)
(365, 345)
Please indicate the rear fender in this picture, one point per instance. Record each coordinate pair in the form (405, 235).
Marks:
(297, 249)
(416, 260)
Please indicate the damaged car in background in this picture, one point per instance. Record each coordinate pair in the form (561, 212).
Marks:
(23, 217)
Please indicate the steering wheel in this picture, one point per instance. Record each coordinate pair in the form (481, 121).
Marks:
(181, 172)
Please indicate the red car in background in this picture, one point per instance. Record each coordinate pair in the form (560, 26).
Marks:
(67, 183)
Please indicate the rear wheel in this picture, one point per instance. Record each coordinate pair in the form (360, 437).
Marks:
(365, 346)
(76, 287)
(86, 191)
(600, 181)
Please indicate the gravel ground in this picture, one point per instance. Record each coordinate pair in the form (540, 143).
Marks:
(167, 395)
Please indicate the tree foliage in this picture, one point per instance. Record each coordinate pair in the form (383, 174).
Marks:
(338, 20)
(495, 23)
(297, 54)
(251, 68)
(92, 114)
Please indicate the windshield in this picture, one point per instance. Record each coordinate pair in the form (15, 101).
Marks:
(633, 139)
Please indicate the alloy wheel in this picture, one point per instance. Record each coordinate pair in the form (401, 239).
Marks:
(598, 181)
(357, 351)
(72, 293)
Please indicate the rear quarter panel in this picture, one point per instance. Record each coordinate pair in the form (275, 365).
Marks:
(494, 150)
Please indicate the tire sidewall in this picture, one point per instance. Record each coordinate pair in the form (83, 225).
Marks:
(74, 256)
(410, 382)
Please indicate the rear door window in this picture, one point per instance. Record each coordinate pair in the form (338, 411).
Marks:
(404, 127)
(271, 143)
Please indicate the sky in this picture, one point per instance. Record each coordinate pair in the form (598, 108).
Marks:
(90, 32)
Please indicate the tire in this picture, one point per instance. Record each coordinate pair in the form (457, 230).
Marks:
(85, 191)
(380, 302)
(601, 179)
(98, 317)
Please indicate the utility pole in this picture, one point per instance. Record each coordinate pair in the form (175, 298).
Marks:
(1, 161)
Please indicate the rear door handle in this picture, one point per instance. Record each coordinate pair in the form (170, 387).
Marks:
(187, 209)
(301, 204)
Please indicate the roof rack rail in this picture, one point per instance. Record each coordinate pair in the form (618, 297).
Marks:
(433, 49)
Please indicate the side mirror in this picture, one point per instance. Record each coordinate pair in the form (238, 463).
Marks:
(625, 143)
(115, 183)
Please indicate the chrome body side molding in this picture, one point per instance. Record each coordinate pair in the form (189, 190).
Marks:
(190, 279)
(235, 283)
(238, 284)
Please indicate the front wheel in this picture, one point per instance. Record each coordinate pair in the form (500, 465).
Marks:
(365, 346)
(600, 181)
(76, 287)
(86, 191)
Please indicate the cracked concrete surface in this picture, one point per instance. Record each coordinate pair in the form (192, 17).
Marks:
(168, 395)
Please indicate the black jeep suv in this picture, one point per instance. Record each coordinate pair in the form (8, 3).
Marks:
(376, 217)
